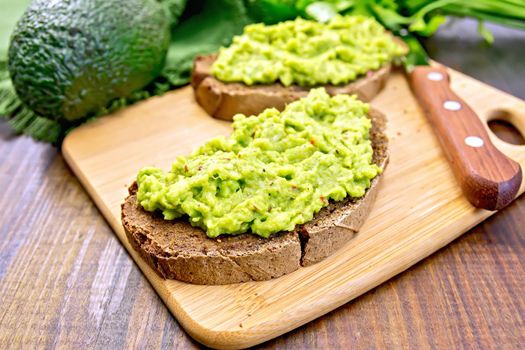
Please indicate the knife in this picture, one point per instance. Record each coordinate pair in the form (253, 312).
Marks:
(488, 178)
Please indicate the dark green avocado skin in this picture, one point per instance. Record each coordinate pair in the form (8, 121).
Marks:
(68, 58)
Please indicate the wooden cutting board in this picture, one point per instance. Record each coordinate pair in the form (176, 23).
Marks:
(419, 208)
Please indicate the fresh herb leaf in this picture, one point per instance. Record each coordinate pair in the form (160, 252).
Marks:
(271, 11)
(321, 11)
(485, 33)
(417, 55)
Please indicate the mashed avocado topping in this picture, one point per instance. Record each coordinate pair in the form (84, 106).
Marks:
(275, 171)
(306, 53)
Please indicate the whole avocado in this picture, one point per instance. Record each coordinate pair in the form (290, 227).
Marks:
(68, 58)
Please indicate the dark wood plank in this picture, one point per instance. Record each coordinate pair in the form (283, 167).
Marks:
(65, 281)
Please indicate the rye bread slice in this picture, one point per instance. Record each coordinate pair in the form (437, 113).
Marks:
(224, 100)
(176, 250)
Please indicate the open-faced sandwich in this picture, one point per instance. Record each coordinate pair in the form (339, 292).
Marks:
(285, 190)
(272, 65)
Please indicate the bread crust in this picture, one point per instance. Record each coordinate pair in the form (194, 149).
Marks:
(176, 250)
(224, 100)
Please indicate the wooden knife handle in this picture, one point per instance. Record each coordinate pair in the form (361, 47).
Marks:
(488, 178)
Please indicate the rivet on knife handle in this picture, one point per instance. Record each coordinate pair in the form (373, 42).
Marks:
(488, 178)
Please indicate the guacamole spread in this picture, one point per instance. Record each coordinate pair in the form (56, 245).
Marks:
(306, 53)
(274, 172)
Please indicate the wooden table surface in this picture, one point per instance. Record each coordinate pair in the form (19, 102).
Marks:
(65, 280)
